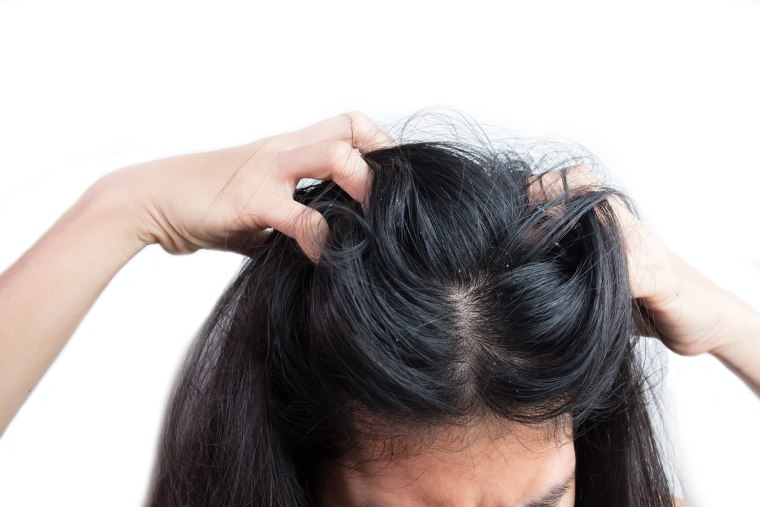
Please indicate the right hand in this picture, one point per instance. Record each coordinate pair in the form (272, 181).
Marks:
(227, 199)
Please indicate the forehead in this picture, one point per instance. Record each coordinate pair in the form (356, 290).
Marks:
(476, 467)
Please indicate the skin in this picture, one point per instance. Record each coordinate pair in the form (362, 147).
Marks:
(488, 464)
(228, 199)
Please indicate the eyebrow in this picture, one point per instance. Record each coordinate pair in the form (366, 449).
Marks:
(552, 497)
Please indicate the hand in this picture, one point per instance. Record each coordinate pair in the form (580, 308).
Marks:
(691, 314)
(227, 199)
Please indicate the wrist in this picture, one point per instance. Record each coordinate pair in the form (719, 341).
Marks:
(105, 205)
(741, 327)
(740, 350)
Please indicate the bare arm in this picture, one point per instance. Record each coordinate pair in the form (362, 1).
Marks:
(706, 317)
(225, 199)
(47, 292)
(741, 352)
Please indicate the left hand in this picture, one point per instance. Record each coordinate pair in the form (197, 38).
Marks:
(691, 313)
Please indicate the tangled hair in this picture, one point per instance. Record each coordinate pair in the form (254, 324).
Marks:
(453, 296)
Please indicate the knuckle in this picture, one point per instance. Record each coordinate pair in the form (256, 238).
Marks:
(357, 116)
(338, 153)
(362, 126)
(582, 175)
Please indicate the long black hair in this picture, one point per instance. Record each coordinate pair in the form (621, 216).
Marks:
(453, 295)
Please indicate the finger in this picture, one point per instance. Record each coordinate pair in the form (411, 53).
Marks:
(306, 225)
(330, 160)
(637, 240)
(547, 186)
(355, 128)
(243, 242)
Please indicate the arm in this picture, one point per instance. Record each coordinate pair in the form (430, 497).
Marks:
(224, 199)
(701, 316)
(46, 293)
(741, 350)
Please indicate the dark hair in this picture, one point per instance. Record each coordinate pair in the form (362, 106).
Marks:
(452, 296)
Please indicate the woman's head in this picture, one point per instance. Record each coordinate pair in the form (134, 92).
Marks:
(468, 311)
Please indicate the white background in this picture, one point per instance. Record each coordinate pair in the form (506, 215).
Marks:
(665, 93)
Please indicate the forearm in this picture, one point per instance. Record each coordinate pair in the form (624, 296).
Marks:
(47, 292)
(741, 350)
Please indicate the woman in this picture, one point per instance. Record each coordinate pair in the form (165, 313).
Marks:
(451, 328)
